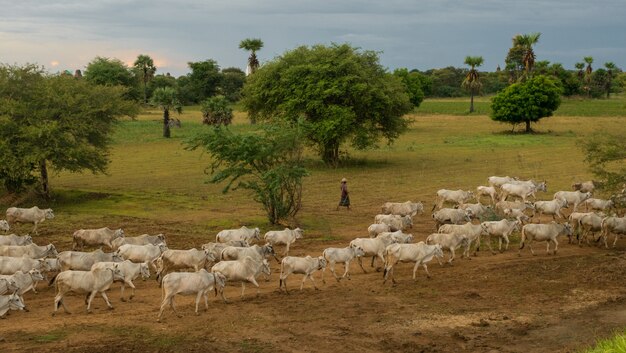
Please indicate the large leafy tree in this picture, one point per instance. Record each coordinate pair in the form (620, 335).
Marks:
(232, 83)
(527, 101)
(472, 79)
(252, 45)
(144, 66)
(526, 42)
(112, 72)
(205, 78)
(166, 98)
(268, 164)
(54, 121)
(611, 70)
(413, 83)
(343, 94)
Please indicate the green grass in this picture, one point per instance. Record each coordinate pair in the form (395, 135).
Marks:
(615, 344)
(615, 106)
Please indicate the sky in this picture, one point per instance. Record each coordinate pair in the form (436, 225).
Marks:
(415, 34)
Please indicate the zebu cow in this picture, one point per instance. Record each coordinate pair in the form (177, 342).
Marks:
(451, 216)
(95, 237)
(478, 210)
(33, 215)
(487, 191)
(215, 249)
(599, 204)
(10, 265)
(92, 282)
(283, 237)
(574, 198)
(377, 228)
(26, 281)
(142, 253)
(300, 265)
(13, 239)
(7, 286)
(590, 222)
(10, 302)
(143, 239)
(394, 222)
(182, 259)
(246, 270)
(130, 270)
(585, 186)
(552, 207)
(256, 252)
(341, 255)
(189, 283)
(543, 232)
(501, 229)
(244, 233)
(83, 261)
(448, 241)
(373, 247)
(31, 250)
(513, 205)
(614, 225)
(521, 190)
(454, 196)
(517, 214)
(471, 231)
(419, 253)
(497, 181)
(403, 208)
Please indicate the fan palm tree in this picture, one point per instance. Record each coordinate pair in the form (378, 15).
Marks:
(166, 99)
(610, 70)
(588, 72)
(252, 45)
(527, 41)
(472, 79)
(144, 65)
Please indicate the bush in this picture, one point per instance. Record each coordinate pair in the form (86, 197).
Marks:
(216, 111)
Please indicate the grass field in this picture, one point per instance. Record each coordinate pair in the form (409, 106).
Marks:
(154, 185)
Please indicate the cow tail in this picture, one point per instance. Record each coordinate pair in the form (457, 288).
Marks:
(215, 283)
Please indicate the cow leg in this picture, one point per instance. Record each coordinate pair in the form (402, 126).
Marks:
(556, 245)
(256, 285)
(615, 241)
(106, 299)
(132, 292)
(452, 255)
(530, 246)
(332, 269)
(283, 281)
(382, 260)
(35, 229)
(361, 264)
(286, 250)
(426, 269)
(373, 258)
(174, 307)
(489, 244)
(91, 296)
(506, 239)
(163, 305)
(198, 297)
(346, 266)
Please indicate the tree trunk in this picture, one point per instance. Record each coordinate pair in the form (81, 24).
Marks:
(471, 101)
(43, 169)
(166, 123)
(528, 129)
(145, 94)
(330, 154)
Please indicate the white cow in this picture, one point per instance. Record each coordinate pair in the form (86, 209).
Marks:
(33, 215)
(244, 233)
(454, 196)
(141, 253)
(31, 250)
(283, 237)
(130, 270)
(599, 204)
(343, 256)
(215, 249)
(471, 231)
(448, 241)
(552, 207)
(10, 265)
(143, 239)
(517, 214)
(182, 259)
(478, 210)
(95, 237)
(256, 252)
(26, 281)
(8, 285)
(300, 265)
(83, 261)
(513, 205)
(451, 216)
(497, 181)
(501, 229)
(585, 186)
(377, 228)
(419, 253)
(246, 270)
(394, 222)
(614, 225)
(403, 208)
(10, 302)
(543, 232)
(574, 198)
(521, 190)
(13, 239)
(590, 222)
(189, 283)
(4, 225)
(91, 282)
(372, 247)
(487, 191)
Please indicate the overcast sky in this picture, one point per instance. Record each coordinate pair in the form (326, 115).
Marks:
(417, 34)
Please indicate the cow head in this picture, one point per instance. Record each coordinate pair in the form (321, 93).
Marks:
(298, 233)
(117, 273)
(42, 265)
(36, 275)
(116, 257)
(118, 233)
(15, 302)
(28, 239)
(321, 263)
(543, 186)
(567, 229)
(209, 255)
(269, 249)
(48, 214)
(438, 251)
(257, 233)
(144, 270)
(468, 215)
(4, 225)
(161, 238)
(162, 247)
(358, 251)
(266, 267)
(51, 250)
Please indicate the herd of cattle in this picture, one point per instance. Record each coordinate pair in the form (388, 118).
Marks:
(232, 258)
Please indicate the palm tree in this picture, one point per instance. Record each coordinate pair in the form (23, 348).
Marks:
(166, 99)
(527, 41)
(610, 69)
(146, 69)
(252, 45)
(472, 79)
(588, 71)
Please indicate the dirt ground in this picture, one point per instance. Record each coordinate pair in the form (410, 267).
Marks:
(491, 303)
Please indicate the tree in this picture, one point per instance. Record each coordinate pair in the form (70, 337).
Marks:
(54, 122)
(232, 83)
(205, 78)
(215, 111)
(267, 164)
(144, 65)
(252, 45)
(611, 69)
(587, 75)
(112, 72)
(343, 94)
(526, 102)
(413, 83)
(606, 155)
(472, 79)
(166, 99)
(526, 42)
